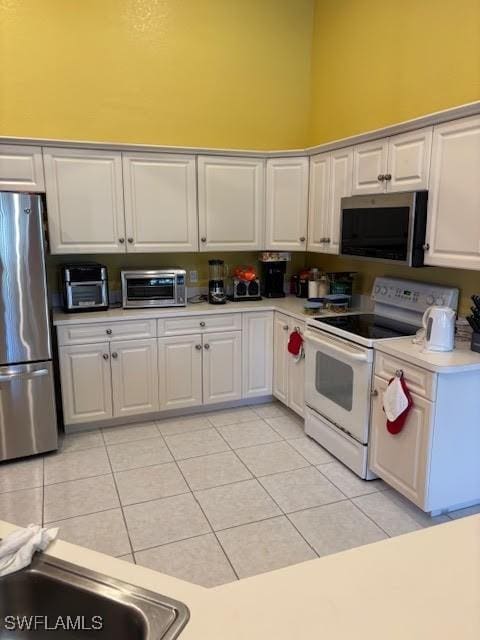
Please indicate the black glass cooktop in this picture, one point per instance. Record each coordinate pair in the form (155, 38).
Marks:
(369, 325)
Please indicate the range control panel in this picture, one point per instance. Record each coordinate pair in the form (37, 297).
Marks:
(408, 294)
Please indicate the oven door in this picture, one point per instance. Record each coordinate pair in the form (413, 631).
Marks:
(149, 290)
(338, 381)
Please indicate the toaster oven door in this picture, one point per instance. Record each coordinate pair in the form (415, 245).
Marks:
(86, 295)
(149, 290)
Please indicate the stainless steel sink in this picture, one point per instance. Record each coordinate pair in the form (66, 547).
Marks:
(55, 599)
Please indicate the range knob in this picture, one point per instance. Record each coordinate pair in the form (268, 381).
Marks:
(384, 291)
(377, 288)
(440, 301)
(430, 299)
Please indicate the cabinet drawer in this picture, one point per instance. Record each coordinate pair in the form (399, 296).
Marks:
(200, 324)
(418, 380)
(101, 331)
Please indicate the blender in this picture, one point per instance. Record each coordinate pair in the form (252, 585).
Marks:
(216, 286)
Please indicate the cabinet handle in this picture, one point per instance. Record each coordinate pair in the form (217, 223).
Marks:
(130, 240)
(381, 177)
(302, 239)
(115, 355)
(374, 393)
(121, 240)
(327, 240)
(388, 177)
(285, 327)
(202, 323)
(105, 356)
(198, 347)
(207, 346)
(108, 332)
(203, 239)
(426, 247)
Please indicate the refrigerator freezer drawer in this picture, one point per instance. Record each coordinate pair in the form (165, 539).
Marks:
(28, 422)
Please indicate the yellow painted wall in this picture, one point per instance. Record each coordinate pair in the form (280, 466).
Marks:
(218, 73)
(379, 62)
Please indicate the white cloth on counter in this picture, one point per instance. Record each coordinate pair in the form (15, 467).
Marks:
(394, 399)
(17, 549)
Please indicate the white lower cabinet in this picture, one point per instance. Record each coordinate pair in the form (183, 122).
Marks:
(257, 347)
(222, 367)
(288, 373)
(180, 371)
(134, 377)
(86, 383)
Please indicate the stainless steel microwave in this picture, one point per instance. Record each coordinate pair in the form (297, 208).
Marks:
(388, 227)
(154, 288)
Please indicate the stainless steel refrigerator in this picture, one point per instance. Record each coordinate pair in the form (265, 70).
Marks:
(28, 422)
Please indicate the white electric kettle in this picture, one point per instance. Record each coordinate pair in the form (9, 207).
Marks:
(439, 325)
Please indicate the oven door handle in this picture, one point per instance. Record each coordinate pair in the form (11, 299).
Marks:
(340, 347)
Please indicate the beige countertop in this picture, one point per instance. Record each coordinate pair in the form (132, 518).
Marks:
(290, 305)
(420, 586)
(459, 360)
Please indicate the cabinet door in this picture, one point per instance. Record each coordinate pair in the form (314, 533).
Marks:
(86, 383)
(257, 346)
(318, 202)
(231, 203)
(134, 377)
(84, 201)
(180, 371)
(402, 460)
(296, 379)
(281, 332)
(341, 171)
(222, 367)
(409, 160)
(21, 168)
(160, 202)
(370, 167)
(287, 204)
(453, 222)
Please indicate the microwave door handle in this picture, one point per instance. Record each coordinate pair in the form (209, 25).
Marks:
(352, 353)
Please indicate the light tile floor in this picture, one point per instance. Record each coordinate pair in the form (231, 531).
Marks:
(209, 498)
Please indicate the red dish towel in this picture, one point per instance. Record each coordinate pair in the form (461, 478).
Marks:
(397, 403)
(295, 343)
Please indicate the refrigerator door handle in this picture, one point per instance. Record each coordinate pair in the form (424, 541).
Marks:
(8, 377)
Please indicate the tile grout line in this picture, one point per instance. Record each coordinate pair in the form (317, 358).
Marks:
(120, 504)
(370, 518)
(205, 516)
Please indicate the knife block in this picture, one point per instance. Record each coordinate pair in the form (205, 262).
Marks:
(475, 344)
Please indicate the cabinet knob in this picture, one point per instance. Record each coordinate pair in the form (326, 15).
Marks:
(302, 239)
(374, 392)
(381, 177)
(198, 347)
(105, 356)
(121, 240)
(285, 327)
(327, 240)
(108, 332)
(203, 239)
(202, 323)
(388, 177)
(115, 355)
(130, 240)
(207, 346)
(426, 247)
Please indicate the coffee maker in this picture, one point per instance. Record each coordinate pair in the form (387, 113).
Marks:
(273, 277)
(216, 284)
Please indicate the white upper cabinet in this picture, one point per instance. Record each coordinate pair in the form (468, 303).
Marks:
(369, 167)
(84, 200)
(409, 160)
(330, 181)
(21, 168)
(231, 202)
(453, 227)
(286, 204)
(160, 202)
(318, 202)
(399, 163)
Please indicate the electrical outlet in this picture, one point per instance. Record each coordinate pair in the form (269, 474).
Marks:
(193, 276)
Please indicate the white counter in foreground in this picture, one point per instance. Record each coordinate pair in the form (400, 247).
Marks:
(457, 361)
(421, 586)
